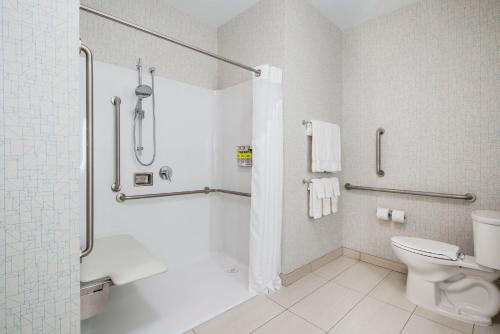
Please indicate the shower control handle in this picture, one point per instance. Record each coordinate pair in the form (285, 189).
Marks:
(166, 173)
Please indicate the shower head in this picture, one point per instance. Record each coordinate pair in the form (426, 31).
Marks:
(143, 91)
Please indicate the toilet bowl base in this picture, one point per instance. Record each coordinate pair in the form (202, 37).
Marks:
(431, 296)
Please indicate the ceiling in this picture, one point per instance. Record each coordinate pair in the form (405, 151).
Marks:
(344, 13)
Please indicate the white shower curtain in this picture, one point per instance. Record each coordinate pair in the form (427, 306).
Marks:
(267, 181)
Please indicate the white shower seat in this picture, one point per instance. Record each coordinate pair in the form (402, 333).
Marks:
(121, 258)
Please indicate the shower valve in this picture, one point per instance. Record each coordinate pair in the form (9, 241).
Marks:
(166, 173)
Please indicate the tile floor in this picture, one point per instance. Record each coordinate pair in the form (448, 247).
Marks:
(343, 297)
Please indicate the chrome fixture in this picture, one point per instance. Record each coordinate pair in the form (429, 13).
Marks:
(378, 153)
(121, 197)
(116, 186)
(143, 179)
(467, 197)
(143, 91)
(166, 38)
(89, 151)
(166, 173)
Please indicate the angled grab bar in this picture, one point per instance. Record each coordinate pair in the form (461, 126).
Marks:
(116, 186)
(89, 150)
(378, 153)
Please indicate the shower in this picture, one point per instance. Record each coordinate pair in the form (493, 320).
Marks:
(143, 91)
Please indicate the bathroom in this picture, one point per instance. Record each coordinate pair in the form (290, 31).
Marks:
(174, 177)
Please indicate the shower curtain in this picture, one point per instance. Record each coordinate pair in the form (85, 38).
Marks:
(267, 181)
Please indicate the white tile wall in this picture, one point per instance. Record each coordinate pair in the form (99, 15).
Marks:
(116, 44)
(39, 149)
(430, 75)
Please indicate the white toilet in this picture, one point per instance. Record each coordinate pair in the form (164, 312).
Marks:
(444, 280)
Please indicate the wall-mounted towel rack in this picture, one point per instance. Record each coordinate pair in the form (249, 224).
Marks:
(121, 197)
(467, 197)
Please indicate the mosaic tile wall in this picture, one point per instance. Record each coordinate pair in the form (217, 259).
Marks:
(430, 75)
(39, 167)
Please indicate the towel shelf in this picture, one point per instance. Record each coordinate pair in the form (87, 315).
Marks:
(121, 197)
(467, 197)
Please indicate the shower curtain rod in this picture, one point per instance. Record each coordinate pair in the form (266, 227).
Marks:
(166, 38)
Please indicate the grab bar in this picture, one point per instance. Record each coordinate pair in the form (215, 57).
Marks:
(116, 186)
(467, 197)
(89, 150)
(378, 153)
(121, 197)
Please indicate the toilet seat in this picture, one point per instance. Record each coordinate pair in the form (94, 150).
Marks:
(429, 248)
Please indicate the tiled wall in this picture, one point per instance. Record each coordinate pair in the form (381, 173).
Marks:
(294, 36)
(430, 75)
(39, 149)
(113, 43)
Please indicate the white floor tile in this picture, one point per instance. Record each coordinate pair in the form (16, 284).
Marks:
(448, 322)
(419, 325)
(288, 323)
(287, 296)
(374, 317)
(362, 277)
(327, 305)
(243, 318)
(392, 290)
(334, 268)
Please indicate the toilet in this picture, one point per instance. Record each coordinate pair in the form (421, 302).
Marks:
(444, 280)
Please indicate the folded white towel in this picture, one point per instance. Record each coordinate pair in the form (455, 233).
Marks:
(325, 147)
(316, 196)
(336, 193)
(329, 193)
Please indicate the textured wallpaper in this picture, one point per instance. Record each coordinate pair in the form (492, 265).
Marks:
(39, 169)
(254, 37)
(312, 90)
(294, 36)
(113, 43)
(430, 75)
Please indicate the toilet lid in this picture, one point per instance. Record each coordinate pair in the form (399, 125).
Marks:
(426, 247)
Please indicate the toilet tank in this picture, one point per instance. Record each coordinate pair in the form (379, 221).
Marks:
(486, 225)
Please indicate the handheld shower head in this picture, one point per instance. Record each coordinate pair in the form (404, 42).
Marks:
(143, 91)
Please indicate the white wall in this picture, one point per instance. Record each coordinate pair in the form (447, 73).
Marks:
(231, 214)
(39, 153)
(176, 229)
(429, 74)
(113, 43)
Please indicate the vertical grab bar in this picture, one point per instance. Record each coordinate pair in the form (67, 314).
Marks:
(89, 150)
(116, 186)
(378, 153)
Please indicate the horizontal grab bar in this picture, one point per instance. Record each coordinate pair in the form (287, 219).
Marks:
(121, 197)
(467, 197)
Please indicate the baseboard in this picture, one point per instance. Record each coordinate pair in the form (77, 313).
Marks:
(294, 276)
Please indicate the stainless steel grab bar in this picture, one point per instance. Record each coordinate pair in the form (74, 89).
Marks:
(116, 186)
(468, 196)
(89, 151)
(378, 153)
(121, 197)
